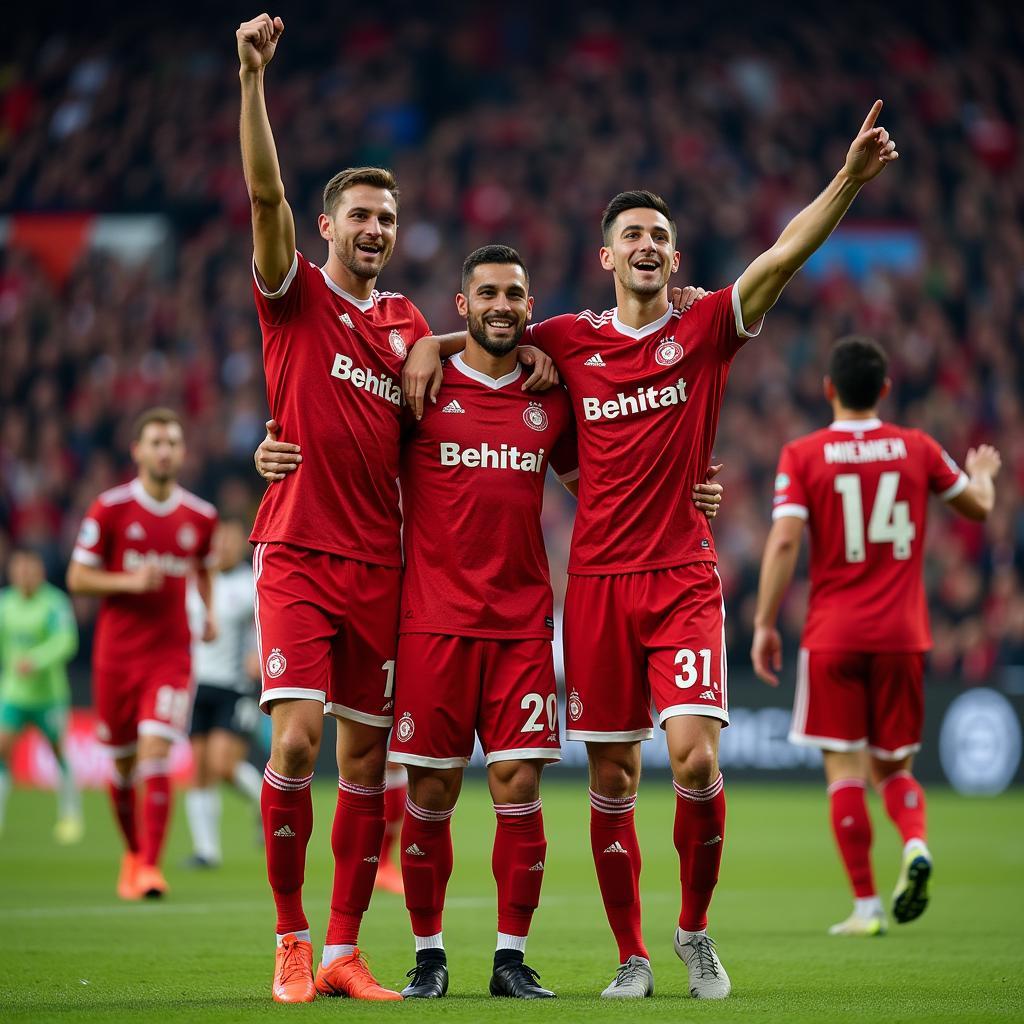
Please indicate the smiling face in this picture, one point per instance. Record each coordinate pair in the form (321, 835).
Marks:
(362, 229)
(497, 306)
(640, 249)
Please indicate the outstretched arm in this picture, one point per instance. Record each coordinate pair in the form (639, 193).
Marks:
(978, 498)
(777, 567)
(273, 226)
(762, 282)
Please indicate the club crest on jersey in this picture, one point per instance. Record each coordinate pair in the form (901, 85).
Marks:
(668, 352)
(405, 728)
(397, 343)
(574, 706)
(535, 417)
(276, 663)
(782, 481)
(89, 533)
(187, 537)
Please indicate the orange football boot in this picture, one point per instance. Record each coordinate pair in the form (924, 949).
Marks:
(126, 885)
(389, 878)
(293, 971)
(350, 976)
(150, 881)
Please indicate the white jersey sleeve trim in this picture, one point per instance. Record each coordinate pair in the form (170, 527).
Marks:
(957, 489)
(285, 284)
(741, 329)
(796, 511)
(87, 558)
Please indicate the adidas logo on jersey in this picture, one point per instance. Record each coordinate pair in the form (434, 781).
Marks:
(539, 866)
(708, 695)
(616, 847)
(285, 832)
(453, 406)
(346, 320)
(414, 851)
(595, 360)
(135, 532)
(371, 860)
(714, 842)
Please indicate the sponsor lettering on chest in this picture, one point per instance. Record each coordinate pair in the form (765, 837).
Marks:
(380, 385)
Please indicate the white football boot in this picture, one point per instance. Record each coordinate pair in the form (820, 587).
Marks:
(633, 980)
(708, 979)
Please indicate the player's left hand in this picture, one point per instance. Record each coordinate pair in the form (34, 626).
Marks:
(544, 375)
(276, 459)
(422, 374)
(684, 298)
(210, 630)
(871, 150)
(766, 654)
(708, 496)
(24, 667)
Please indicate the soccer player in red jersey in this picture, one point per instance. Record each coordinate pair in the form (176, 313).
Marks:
(861, 486)
(644, 616)
(328, 554)
(137, 546)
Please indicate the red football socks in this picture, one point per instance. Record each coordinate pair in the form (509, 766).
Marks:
(699, 835)
(904, 803)
(156, 808)
(122, 797)
(426, 865)
(287, 809)
(518, 864)
(852, 828)
(617, 860)
(356, 840)
(394, 809)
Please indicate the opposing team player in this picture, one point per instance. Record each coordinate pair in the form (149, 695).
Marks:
(861, 486)
(224, 713)
(38, 637)
(328, 555)
(644, 616)
(137, 547)
(474, 653)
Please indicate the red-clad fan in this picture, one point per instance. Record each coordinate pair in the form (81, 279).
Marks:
(644, 618)
(861, 487)
(137, 546)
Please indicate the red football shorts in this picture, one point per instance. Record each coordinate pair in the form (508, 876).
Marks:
(327, 630)
(450, 687)
(851, 700)
(151, 700)
(640, 637)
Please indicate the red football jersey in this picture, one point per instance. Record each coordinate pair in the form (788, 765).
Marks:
(646, 404)
(333, 365)
(125, 529)
(863, 486)
(472, 489)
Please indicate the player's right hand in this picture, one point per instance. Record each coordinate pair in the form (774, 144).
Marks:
(684, 298)
(984, 460)
(257, 40)
(276, 459)
(766, 654)
(147, 579)
(422, 374)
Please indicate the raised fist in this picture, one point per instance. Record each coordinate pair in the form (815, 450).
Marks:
(257, 41)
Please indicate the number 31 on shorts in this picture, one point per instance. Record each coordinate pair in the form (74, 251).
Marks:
(686, 661)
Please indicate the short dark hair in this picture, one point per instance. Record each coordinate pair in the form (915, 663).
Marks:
(491, 254)
(637, 199)
(857, 367)
(377, 177)
(158, 415)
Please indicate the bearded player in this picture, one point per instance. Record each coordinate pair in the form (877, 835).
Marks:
(861, 486)
(644, 617)
(137, 547)
(328, 555)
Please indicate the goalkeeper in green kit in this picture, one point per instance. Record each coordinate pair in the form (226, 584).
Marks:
(38, 637)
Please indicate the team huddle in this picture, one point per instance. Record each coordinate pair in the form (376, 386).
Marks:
(402, 586)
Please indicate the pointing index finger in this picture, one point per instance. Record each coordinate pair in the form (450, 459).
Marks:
(869, 121)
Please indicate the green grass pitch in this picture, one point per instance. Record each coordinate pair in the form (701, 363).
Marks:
(71, 952)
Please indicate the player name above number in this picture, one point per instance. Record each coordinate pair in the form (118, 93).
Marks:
(882, 449)
(381, 385)
(486, 457)
(643, 400)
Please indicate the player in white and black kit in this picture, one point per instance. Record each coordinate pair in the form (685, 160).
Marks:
(225, 711)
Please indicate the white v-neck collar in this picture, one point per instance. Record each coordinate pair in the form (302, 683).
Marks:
(640, 332)
(150, 504)
(494, 384)
(852, 426)
(362, 304)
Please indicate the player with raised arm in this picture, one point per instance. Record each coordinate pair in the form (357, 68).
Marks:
(644, 616)
(328, 555)
(474, 467)
(137, 547)
(861, 486)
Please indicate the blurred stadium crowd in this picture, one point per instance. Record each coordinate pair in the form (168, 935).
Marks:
(505, 126)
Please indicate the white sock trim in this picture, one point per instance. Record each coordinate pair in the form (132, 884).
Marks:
(506, 941)
(332, 953)
(429, 941)
(302, 936)
(867, 906)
